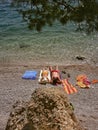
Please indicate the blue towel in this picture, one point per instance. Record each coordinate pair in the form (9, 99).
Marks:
(30, 74)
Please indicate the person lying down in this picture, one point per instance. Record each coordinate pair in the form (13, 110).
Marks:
(55, 75)
(44, 76)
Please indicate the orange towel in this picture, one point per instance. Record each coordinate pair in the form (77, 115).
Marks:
(68, 87)
(94, 81)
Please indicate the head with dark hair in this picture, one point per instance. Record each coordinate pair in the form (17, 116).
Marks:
(55, 81)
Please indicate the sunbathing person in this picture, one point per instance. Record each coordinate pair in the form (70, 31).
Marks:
(55, 76)
(44, 76)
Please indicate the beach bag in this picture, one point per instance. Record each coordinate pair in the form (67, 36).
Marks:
(30, 74)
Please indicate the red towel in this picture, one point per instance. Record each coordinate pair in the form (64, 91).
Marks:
(69, 88)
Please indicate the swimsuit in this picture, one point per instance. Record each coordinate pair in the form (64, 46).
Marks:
(54, 71)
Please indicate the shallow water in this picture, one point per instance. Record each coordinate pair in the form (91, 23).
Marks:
(56, 44)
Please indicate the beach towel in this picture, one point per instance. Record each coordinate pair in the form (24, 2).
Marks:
(81, 77)
(68, 87)
(82, 81)
(30, 74)
(81, 84)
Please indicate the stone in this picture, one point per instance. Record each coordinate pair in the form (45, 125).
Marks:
(48, 109)
(80, 58)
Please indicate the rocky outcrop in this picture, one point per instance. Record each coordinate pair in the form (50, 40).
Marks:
(48, 109)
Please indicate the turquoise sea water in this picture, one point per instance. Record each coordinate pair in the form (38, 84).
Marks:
(57, 44)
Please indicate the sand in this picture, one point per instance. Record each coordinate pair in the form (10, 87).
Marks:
(13, 88)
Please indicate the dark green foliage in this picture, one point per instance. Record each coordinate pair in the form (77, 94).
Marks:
(39, 13)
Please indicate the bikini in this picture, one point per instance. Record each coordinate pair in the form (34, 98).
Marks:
(54, 71)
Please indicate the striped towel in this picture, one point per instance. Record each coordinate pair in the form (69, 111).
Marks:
(69, 88)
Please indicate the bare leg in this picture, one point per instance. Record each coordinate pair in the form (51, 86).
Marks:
(50, 68)
(57, 67)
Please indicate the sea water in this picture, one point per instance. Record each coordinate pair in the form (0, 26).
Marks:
(57, 44)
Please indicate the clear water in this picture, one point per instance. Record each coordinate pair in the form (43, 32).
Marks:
(53, 45)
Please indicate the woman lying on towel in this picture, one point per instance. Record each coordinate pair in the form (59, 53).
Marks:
(44, 76)
(55, 76)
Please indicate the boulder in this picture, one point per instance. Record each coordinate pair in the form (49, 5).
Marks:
(48, 109)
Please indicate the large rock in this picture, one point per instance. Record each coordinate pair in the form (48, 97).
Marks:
(48, 109)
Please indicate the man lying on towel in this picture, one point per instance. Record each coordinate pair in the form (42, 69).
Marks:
(55, 76)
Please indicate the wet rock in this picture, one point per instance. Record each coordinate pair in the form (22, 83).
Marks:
(48, 109)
